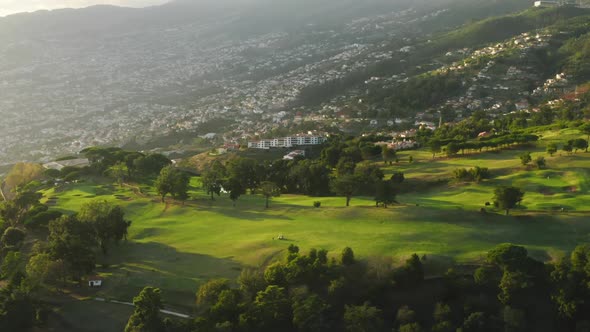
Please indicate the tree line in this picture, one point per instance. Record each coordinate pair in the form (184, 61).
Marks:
(314, 291)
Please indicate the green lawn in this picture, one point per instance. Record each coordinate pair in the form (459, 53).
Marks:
(177, 247)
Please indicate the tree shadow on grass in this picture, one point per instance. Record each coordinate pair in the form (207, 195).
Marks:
(482, 232)
(246, 214)
(133, 265)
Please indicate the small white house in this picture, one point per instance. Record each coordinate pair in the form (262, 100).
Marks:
(95, 282)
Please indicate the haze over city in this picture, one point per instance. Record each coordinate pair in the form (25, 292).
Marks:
(8, 7)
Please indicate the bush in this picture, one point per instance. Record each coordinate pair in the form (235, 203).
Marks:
(72, 176)
(317, 204)
(13, 236)
(474, 174)
(42, 219)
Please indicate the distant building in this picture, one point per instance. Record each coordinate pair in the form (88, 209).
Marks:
(59, 165)
(544, 4)
(286, 142)
(294, 154)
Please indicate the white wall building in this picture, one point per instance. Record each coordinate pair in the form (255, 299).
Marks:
(286, 142)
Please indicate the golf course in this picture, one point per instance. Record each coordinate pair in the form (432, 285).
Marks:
(177, 246)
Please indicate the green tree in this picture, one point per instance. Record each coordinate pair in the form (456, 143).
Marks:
(271, 311)
(73, 242)
(551, 149)
(568, 147)
(507, 198)
(309, 314)
(387, 154)
(209, 292)
(385, 193)
(146, 317)
(540, 162)
(405, 315)
(364, 318)
(268, 190)
(435, 147)
(118, 172)
(106, 220)
(345, 186)
(213, 178)
(347, 256)
(452, 149)
(172, 181)
(41, 269)
(585, 129)
(235, 188)
(411, 327)
(508, 256)
(580, 144)
(12, 264)
(525, 158)
(12, 237)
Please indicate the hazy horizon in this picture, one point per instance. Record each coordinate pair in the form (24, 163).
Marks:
(9, 7)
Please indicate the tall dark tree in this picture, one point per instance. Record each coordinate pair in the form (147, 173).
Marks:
(268, 190)
(346, 186)
(146, 317)
(73, 242)
(213, 178)
(107, 222)
(507, 198)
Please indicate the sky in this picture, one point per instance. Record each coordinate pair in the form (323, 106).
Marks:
(8, 7)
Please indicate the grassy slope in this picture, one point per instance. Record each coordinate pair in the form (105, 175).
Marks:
(177, 247)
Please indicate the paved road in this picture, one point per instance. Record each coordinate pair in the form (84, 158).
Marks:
(167, 312)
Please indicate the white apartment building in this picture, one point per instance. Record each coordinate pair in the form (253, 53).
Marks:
(286, 142)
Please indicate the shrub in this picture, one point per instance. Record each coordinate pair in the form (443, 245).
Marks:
(317, 204)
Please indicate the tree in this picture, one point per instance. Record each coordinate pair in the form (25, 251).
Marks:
(172, 181)
(146, 317)
(12, 264)
(398, 177)
(405, 315)
(435, 147)
(568, 147)
(347, 257)
(269, 189)
(235, 188)
(209, 292)
(213, 178)
(579, 144)
(508, 256)
(41, 269)
(411, 327)
(151, 164)
(309, 313)
(227, 307)
(72, 241)
(452, 149)
(387, 154)
(118, 172)
(345, 186)
(540, 162)
(551, 149)
(525, 158)
(585, 129)
(385, 193)
(507, 198)
(106, 220)
(12, 237)
(364, 318)
(271, 311)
